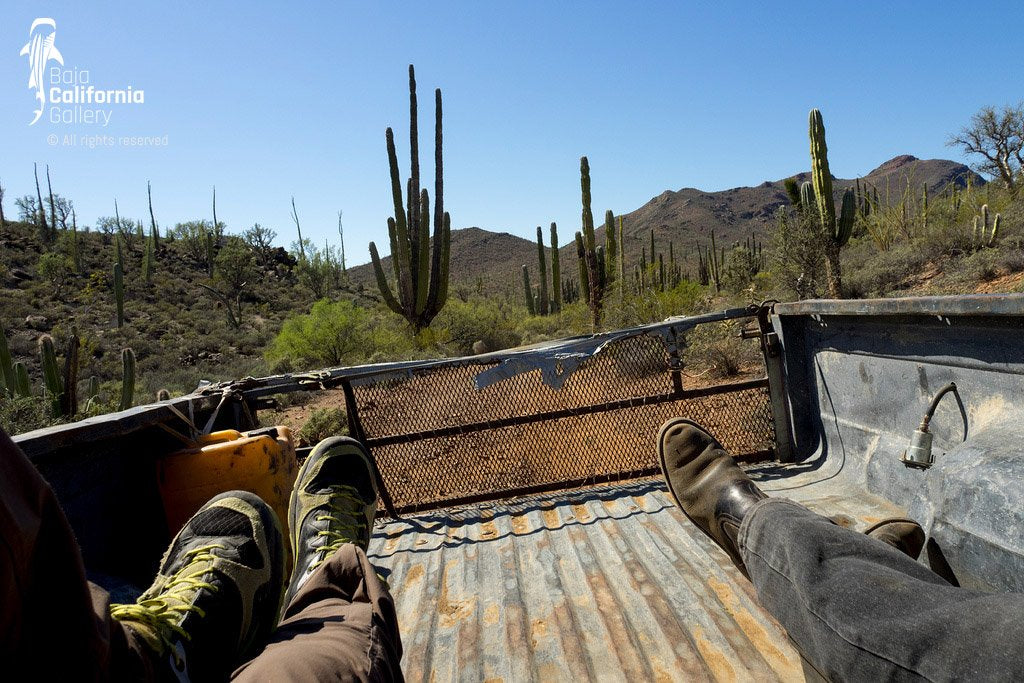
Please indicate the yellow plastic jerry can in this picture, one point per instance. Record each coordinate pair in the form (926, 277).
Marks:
(261, 462)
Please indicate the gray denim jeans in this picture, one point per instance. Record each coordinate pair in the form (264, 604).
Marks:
(860, 610)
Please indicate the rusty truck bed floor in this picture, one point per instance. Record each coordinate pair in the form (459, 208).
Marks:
(607, 583)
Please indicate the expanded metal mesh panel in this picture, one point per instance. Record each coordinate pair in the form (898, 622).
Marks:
(439, 440)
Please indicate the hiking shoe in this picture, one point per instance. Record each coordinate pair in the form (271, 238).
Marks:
(905, 535)
(217, 593)
(333, 503)
(706, 483)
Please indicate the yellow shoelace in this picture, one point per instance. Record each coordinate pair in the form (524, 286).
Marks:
(340, 532)
(164, 612)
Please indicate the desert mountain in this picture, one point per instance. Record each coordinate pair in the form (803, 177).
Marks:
(686, 217)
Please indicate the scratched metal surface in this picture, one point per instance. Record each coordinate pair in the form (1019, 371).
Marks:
(610, 583)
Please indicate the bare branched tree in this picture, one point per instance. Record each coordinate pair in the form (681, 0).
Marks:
(998, 138)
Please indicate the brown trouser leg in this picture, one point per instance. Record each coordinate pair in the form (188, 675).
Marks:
(341, 625)
(53, 623)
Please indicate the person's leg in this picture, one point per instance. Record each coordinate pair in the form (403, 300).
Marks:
(340, 621)
(45, 596)
(857, 608)
(216, 595)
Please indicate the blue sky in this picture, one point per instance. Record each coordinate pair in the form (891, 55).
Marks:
(270, 100)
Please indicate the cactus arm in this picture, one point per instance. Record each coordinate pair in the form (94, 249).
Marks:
(51, 373)
(581, 255)
(611, 245)
(556, 272)
(433, 307)
(995, 230)
(446, 252)
(542, 266)
(588, 215)
(807, 202)
(422, 286)
(528, 291)
(382, 281)
(7, 373)
(128, 379)
(820, 174)
(846, 215)
(21, 384)
(401, 256)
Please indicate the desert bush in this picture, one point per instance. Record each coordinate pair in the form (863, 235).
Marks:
(464, 323)
(798, 255)
(882, 272)
(234, 264)
(55, 268)
(23, 414)
(324, 423)
(716, 350)
(338, 333)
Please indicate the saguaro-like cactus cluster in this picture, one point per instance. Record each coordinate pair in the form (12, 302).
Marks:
(421, 274)
(538, 301)
(836, 231)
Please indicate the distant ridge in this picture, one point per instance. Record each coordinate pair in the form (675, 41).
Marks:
(686, 217)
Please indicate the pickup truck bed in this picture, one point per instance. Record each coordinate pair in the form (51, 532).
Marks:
(606, 583)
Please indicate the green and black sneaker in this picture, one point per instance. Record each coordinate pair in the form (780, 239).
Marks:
(333, 503)
(217, 594)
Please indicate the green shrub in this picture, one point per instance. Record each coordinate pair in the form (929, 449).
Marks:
(716, 350)
(19, 415)
(324, 423)
(465, 323)
(336, 333)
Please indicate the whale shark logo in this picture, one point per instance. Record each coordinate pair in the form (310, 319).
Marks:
(40, 50)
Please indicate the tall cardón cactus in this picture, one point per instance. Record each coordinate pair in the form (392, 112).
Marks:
(586, 248)
(836, 231)
(556, 272)
(542, 263)
(421, 272)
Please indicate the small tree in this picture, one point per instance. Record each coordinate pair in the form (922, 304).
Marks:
(261, 241)
(998, 138)
(234, 264)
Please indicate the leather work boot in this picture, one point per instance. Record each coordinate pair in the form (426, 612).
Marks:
(905, 535)
(333, 502)
(217, 593)
(706, 483)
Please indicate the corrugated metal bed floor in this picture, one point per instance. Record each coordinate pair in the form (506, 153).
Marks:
(608, 583)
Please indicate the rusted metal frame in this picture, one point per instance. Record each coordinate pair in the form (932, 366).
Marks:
(634, 402)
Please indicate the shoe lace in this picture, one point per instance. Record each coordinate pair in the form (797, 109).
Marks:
(164, 612)
(346, 521)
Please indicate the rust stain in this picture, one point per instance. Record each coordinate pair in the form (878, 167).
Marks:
(551, 519)
(491, 615)
(788, 668)
(520, 525)
(538, 631)
(549, 671)
(715, 659)
(844, 521)
(582, 513)
(488, 530)
(452, 611)
(415, 573)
